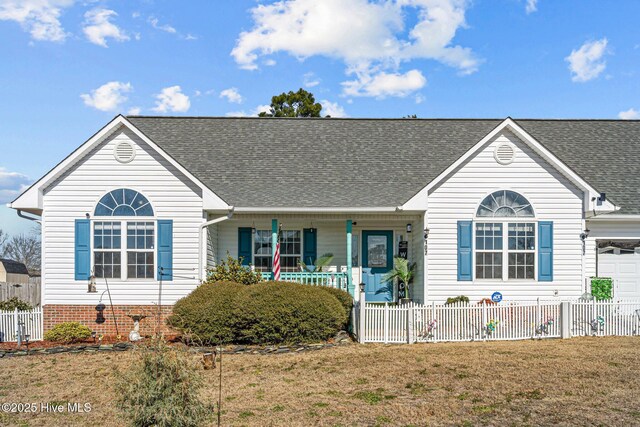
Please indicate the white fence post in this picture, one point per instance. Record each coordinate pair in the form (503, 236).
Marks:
(386, 323)
(484, 320)
(16, 325)
(411, 336)
(565, 320)
(363, 319)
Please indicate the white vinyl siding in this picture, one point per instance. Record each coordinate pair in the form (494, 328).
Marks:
(74, 194)
(553, 197)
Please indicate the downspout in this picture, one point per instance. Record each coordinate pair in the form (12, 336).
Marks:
(30, 218)
(203, 239)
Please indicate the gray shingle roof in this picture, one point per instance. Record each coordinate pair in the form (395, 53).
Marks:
(268, 162)
(13, 267)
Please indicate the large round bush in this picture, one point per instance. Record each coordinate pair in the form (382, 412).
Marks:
(268, 312)
(211, 313)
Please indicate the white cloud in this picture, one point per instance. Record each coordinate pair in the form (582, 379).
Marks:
(630, 114)
(98, 27)
(155, 23)
(310, 80)
(588, 62)
(232, 95)
(269, 62)
(171, 99)
(419, 98)
(332, 109)
(385, 84)
(108, 97)
(531, 6)
(11, 185)
(134, 111)
(39, 17)
(252, 113)
(368, 36)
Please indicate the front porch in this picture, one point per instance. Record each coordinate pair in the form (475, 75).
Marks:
(362, 248)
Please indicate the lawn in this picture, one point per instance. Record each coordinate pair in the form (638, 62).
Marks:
(582, 381)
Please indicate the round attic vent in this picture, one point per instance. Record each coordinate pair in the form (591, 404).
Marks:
(504, 153)
(124, 152)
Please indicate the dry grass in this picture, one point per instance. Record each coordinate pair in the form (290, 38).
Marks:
(586, 381)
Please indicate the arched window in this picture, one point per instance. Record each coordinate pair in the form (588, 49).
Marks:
(504, 244)
(123, 202)
(124, 248)
(505, 203)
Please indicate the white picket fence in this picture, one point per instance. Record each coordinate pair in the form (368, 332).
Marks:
(410, 323)
(604, 318)
(14, 323)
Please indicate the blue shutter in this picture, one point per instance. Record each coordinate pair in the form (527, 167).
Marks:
(465, 251)
(165, 250)
(310, 249)
(82, 249)
(545, 251)
(244, 245)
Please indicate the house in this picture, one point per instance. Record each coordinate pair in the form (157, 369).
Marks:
(528, 208)
(13, 272)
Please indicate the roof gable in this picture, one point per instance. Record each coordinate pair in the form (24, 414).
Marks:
(31, 199)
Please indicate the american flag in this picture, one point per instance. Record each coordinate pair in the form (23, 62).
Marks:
(276, 262)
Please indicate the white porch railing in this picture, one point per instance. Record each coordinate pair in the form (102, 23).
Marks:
(331, 279)
(411, 323)
(14, 323)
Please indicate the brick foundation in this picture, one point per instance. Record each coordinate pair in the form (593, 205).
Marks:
(87, 314)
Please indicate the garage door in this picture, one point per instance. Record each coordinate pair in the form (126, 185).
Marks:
(623, 265)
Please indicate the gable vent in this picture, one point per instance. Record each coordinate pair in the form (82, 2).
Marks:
(504, 153)
(124, 152)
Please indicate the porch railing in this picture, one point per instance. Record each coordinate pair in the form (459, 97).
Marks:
(331, 279)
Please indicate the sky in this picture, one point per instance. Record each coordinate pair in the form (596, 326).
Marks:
(68, 67)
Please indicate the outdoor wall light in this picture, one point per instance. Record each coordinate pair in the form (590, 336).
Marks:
(92, 285)
(426, 233)
(584, 234)
(253, 228)
(409, 227)
(362, 285)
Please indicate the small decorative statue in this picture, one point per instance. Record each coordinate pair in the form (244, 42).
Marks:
(135, 334)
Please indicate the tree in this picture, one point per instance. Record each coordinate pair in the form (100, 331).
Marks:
(3, 241)
(293, 104)
(24, 248)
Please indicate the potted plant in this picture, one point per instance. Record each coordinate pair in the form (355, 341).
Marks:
(402, 271)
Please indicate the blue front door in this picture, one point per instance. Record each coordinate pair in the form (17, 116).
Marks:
(377, 260)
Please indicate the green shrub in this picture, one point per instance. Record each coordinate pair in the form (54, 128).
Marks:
(68, 332)
(161, 387)
(268, 312)
(458, 299)
(232, 270)
(13, 303)
(344, 297)
(211, 313)
(284, 312)
(601, 288)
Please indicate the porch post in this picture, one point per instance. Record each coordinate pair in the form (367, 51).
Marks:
(274, 242)
(350, 287)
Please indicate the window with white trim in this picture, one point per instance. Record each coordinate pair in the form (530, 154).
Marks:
(494, 259)
(290, 250)
(124, 247)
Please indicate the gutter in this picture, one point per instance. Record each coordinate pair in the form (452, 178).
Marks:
(614, 217)
(316, 209)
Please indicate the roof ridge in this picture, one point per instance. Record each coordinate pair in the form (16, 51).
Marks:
(384, 118)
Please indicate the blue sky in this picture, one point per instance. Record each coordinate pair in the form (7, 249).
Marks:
(67, 67)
